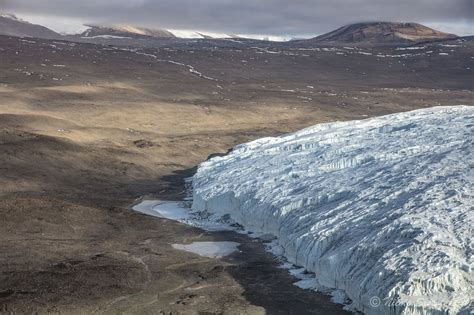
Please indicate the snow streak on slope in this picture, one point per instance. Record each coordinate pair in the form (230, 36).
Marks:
(380, 208)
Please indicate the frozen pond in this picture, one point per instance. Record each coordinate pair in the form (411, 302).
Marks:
(162, 209)
(209, 249)
(176, 211)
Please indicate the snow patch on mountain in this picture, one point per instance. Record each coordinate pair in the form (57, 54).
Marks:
(191, 34)
(106, 37)
(380, 209)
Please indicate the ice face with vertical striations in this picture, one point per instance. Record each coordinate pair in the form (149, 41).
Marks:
(381, 208)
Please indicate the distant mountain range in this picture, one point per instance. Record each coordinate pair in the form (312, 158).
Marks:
(369, 33)
(129, 31)
(12, 26)
(123, 31)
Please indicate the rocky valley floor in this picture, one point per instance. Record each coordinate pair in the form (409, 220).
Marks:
(85, 130)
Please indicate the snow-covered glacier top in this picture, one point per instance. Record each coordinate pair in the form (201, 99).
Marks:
(380, 208)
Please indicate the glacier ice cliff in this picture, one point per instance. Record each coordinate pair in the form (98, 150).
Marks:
(380, 208)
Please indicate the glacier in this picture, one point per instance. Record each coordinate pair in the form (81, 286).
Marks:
(380, 209)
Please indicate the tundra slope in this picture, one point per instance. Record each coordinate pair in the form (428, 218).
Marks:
(129, 125)
(378, 208)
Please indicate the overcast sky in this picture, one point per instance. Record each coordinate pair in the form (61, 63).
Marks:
(287, 18)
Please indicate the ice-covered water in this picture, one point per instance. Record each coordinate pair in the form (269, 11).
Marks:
(209, 249)
(380, 209)
(163, 209)
(180, 211)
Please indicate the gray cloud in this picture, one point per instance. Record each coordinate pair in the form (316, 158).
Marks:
(273, 17)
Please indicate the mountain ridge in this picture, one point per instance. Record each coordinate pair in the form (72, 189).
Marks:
(357, 34)
(124, 31)
(10, 25)
(381, 33)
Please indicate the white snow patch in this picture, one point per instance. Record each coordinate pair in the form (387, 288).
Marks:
(190, 67)
(209, 249)
(162, 209)
(381, 208)
(27, 41)
(412, 48)
(190, 34)
(178, 211)
(106, 37)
